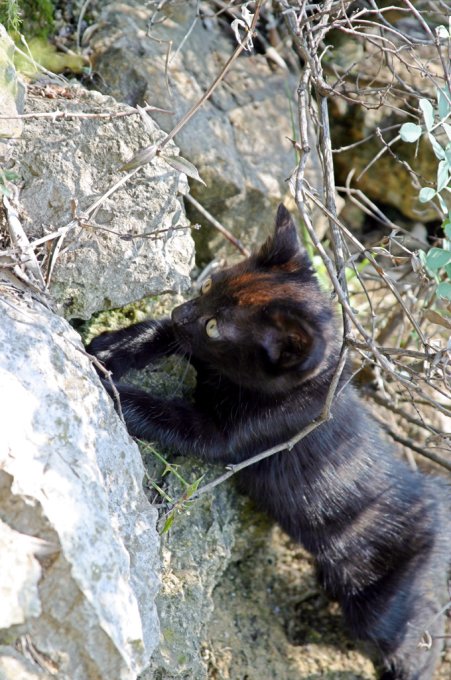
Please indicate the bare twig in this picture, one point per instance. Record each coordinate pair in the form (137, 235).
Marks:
(426, 453)
(149, 152)
(20, 241)
(57, 115)
(217, 225)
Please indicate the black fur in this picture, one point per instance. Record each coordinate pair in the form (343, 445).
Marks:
(378, 530)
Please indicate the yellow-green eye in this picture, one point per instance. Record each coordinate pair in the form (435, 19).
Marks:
(211, 328)
(205, 287)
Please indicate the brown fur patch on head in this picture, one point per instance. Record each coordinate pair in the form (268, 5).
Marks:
(254, 288)
(290, 267)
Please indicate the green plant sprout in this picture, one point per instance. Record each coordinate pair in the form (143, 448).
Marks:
(180, 504)
(7, 176)
(437, 261)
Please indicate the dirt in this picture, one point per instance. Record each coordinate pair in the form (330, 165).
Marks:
(272, 621)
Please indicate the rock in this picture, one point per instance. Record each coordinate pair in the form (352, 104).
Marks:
(12, 92)
(19, 585)
(80, 550)
(238, 139)
(195, 554)
(137, 243)
(13, 665)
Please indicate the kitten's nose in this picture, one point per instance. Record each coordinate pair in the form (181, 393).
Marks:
(186, 313)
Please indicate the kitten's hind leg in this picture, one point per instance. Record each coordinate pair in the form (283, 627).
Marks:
(408, 628)
(416, 657)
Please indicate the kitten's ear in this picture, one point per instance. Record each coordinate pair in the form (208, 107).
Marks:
(291, 343)
(284, 245)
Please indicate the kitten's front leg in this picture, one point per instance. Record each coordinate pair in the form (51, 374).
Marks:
(135, 346)
(172, 423)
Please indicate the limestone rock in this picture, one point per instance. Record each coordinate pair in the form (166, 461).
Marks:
(19, 584)
(195, 554)
(80, 532)
(137, 243)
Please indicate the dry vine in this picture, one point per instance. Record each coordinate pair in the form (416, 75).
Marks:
(413, 373)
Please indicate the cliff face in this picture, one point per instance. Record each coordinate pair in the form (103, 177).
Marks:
(80, 566)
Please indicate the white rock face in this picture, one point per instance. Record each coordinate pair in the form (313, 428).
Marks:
(70, 476)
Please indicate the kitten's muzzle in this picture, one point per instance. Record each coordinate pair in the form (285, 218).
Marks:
(185, 314)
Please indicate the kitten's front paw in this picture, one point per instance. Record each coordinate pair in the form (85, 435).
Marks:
(103, 347)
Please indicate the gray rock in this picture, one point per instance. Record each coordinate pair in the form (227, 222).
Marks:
(195, 554)
(81, 533)
(238, 139)
(137, 243)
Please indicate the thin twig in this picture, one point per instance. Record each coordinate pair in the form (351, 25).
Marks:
(65, 115)
(20, 241)
(414, 447)
(217, 225)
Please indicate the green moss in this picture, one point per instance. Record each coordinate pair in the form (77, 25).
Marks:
(113, 319)
(32, 17)
(10, 14)
(45, 54)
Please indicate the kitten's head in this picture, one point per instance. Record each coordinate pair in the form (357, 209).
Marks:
(263, 323)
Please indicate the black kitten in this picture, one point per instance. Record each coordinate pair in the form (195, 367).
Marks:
(263, 340)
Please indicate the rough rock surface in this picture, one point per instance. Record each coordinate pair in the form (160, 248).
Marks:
(238, 139)
(11, 90)
(137, 243)
(79, 546)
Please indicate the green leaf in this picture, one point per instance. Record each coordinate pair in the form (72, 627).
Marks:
(437, 258)
(447, 229)
(442, 32)
(426, 194)
(444, 290)
(422, 257)
(443, 205)
(182, 165)
(439, 152)
(448, 154)
(410, 132)
(447, 128)
(442, 175)
(428, 113)
(192, 488)
(169, 522)
(5, 191)
(448, 270)
(444, 106)
(141, 158)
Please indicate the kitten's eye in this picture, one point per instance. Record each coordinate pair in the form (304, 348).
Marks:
(205, 287)
(211, 328)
